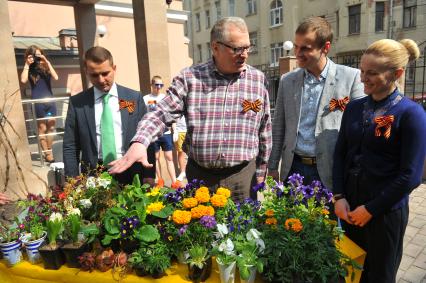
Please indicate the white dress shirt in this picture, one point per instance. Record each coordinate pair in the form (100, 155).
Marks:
(116, 116)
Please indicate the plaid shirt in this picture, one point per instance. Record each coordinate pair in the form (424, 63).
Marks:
(219, 133)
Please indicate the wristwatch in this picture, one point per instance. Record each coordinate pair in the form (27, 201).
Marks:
(336, 197)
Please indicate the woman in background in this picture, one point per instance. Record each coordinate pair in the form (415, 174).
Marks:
(39, 71)
(379, 158)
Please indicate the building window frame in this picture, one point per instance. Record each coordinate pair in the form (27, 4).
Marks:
(354, 13)
(218, 10)
(231, 7)
(380, 17)
(409, 16)
(209, 51)
(197, 22)
(277, 51)
(207, 13)
(276, 13)
(251, 7)
(253, 42)
(199, 53)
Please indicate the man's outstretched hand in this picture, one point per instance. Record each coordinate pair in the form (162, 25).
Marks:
(136, 153)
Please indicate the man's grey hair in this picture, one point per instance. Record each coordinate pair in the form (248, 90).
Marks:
(219, 31)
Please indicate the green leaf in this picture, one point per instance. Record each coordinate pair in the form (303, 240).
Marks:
(108, 238)
(147, 233)
(164, 213)
(136, 181)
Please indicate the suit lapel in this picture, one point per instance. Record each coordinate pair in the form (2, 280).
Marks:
(124, 113)
(89, 111)
(328, 93)
(298, 93)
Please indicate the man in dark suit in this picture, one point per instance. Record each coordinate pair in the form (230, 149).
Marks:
(102, 120)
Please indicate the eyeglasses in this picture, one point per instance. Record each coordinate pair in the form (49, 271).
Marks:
(238, 50)
(158, 85)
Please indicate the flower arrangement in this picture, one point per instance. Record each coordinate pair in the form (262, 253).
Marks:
(8, 234)
(195, 215)
(55, 226)
(299, 236)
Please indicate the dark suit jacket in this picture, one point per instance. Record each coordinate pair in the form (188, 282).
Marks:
(80, 131)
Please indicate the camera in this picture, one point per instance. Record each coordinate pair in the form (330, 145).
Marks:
(36, 59)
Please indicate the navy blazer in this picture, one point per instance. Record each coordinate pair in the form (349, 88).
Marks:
(80, 129)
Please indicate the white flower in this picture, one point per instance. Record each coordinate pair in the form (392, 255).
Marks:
(91, 182)
(222, 230)
(86, 203)
(55, 217)
(227, 247)
(78, 190)
(253, 234)
(260, 244)
(104, 182)
(75, 211)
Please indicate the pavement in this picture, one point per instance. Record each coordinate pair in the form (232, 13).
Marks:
(413, 263)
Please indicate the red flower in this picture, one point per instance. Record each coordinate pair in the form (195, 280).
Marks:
(62, 195)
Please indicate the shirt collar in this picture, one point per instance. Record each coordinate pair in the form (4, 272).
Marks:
(99, 94)
(215, 72)
(322, 76)
(385, 101)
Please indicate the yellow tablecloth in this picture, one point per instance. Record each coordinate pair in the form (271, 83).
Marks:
(25, 272)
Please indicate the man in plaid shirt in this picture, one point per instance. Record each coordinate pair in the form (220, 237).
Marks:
(226, 106)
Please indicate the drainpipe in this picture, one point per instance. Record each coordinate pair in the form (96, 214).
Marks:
(390, 22)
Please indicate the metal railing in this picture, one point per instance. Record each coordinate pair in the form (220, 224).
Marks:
(32, 119)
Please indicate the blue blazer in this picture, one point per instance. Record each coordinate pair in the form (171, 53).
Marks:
(80, 129)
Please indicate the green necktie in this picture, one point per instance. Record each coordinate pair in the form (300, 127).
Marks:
(107, 132)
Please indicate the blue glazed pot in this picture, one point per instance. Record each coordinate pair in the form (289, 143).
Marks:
(32, 248)
(11, 252)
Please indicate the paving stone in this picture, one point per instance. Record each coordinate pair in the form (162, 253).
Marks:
(411, 231)
(402, 281)
(414, 274)
(413, 250)
(406, 262)
(416, 200)
(399, 275)
(422, 231)
(420, 261)
(419, 239)
(417, 222)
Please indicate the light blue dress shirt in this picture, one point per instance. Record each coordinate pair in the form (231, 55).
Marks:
(312, 91)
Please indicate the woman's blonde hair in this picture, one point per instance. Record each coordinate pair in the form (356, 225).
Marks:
(397, 54)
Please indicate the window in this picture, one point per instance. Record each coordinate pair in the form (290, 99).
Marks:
(209, 51)
(409, 16)
(218, 10)
(337, 24)
(253, 41)
(355, 19)
(380, 16)
(277, 51)
(251, 7)
(231, 8)
(276, 13)
(200, 53)
(197, 22)
(207, 19)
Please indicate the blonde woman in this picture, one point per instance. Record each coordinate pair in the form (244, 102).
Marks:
(39, 72)
(379, 159)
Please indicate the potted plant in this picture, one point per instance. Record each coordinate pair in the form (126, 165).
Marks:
(224, 250)
(199, 264)
(249, 249)
(155, 258)
(298, 234)
(78, 243)
(136, 260)
(10, 244)
(33, 240)
(52, 255)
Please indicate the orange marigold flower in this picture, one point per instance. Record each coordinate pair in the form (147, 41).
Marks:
(189, 202)
(202, 196)
(224, 192)
(202, 210)
(218, 200)
(325, 212)
(293, 224)
(203, 190)
(271, 221)
(269, 212)
(181, 217)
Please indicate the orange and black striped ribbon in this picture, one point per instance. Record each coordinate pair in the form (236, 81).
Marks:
(129, 104)
(251, 105)
(384, 122)
(338, 103)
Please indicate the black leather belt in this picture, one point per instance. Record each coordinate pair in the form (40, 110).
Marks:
(219, 171)
(306, 160)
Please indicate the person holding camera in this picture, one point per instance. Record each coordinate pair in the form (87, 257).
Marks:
(39, 72)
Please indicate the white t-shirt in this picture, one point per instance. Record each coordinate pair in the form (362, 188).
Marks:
(151, 103)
